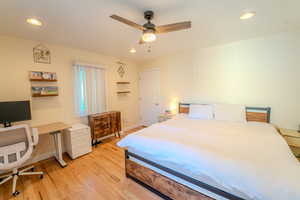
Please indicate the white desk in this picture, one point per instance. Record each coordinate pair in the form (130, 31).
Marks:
(56, 130)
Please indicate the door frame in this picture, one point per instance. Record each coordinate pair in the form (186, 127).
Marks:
(150, 69)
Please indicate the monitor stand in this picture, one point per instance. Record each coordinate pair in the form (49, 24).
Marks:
(7, 124)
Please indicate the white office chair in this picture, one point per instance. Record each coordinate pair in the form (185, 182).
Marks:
(16, 147)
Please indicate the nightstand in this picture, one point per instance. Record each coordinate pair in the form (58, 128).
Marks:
(293, 139)
(164, 117)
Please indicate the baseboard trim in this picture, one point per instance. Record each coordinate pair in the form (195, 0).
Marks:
(130, 127)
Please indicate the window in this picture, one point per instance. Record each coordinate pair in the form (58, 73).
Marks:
(89, 89)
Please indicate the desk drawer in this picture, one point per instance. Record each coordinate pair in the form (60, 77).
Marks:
(78, 140)
(79, 150)
(78, 133)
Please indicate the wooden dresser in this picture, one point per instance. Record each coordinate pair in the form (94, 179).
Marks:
(104, 124)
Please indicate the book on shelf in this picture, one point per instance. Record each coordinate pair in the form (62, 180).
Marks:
(40, 91)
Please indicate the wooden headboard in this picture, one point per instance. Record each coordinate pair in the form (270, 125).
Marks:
(254, 114)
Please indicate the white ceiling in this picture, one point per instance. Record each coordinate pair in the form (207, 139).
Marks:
(86, 24)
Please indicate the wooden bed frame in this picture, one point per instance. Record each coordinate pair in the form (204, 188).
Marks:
(168, 188)
(254, 114)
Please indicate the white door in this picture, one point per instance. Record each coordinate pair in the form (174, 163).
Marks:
(149, 96)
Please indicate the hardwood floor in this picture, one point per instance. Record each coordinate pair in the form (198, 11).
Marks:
(98, 175)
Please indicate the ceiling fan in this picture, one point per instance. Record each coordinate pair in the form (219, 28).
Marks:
(149, 29)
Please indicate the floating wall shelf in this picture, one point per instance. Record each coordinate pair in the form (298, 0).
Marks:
(44, 95)
(123, 82)
(43, 80)
(43, 91)
(48, 91)
(123, 92)
(42, 76)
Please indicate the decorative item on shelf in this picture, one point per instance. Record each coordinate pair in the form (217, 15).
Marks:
(121, 68)
(42, 76)
(41, 54)
(38, 91)
(123, 87)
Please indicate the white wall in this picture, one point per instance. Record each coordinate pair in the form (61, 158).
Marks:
(256, 72)
(16, 60)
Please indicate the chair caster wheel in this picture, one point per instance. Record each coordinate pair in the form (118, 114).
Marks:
(42, 176)
(16, 193)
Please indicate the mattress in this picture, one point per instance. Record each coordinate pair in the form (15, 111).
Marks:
(249, 160)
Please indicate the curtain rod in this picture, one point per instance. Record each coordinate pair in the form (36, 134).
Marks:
(102, 66)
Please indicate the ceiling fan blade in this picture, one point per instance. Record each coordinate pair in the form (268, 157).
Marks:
(128, 22)
(173, 27)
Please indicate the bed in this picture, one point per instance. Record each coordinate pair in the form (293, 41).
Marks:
(193, 159)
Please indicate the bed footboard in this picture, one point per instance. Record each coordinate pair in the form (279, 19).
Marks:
(159, 184)
(167, 187)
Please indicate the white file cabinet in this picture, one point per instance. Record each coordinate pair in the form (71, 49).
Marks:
(78, 140)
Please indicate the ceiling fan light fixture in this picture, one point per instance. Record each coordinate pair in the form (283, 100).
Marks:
(149, 36)
(149, 29)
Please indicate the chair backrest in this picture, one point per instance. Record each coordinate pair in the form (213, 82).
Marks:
(16, 146)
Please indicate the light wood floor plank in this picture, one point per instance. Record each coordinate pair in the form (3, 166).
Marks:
(99, 175)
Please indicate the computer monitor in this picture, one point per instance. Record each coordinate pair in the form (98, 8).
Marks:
(14, 111)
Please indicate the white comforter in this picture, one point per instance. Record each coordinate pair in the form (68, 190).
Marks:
(251, 158)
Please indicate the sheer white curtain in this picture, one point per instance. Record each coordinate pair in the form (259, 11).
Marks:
(89, 89)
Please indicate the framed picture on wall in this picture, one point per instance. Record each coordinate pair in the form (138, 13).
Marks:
(41, 54)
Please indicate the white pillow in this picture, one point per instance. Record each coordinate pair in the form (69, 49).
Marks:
(198, 111)
(230, 112)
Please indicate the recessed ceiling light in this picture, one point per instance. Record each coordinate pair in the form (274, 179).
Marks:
(34, 22)
(132, 50)
(247, 15)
